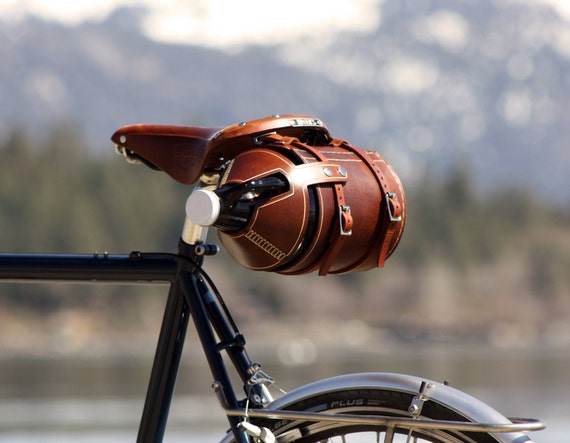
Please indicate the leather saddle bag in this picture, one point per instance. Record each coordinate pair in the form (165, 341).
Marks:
(343, 208)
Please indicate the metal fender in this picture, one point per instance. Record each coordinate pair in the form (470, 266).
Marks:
(458, 401)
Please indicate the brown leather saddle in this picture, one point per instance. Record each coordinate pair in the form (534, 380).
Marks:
(187, 152)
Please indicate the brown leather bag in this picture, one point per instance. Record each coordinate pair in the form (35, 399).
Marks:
(344, 209)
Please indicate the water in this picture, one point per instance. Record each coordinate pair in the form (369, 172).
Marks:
(83, 400)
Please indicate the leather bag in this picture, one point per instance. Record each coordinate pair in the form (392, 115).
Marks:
(343, 210)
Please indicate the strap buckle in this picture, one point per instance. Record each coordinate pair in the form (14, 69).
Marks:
(345, 219)
(388, 196)
(258, 140)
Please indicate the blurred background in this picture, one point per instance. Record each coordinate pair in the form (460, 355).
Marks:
(470, 102)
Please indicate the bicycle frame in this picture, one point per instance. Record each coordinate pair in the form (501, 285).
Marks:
(189, 294)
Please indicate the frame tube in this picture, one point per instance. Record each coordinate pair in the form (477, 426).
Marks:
(196, 293)
(132, 268)
(165, 367)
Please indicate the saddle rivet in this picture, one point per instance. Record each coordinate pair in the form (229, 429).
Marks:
(123, 139)
(327, 171)
(342, 171)
(217, 135)
(242, 124)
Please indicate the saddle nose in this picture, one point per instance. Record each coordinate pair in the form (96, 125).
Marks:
(180, 151)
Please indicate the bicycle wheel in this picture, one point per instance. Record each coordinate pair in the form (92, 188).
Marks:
(391, 398)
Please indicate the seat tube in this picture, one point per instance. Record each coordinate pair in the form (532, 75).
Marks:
(185, 299)
(165, 367)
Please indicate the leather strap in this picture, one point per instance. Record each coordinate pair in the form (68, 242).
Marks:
(389, 200)
(345, 221)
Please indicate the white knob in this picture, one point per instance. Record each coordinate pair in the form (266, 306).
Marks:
(203, 207)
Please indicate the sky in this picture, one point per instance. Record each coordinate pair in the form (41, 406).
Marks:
(224, 23)
(216, 23)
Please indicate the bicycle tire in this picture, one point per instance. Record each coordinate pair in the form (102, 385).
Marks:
(369, 402)
(363, 399)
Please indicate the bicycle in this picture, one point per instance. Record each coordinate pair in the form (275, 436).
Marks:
(358, 407)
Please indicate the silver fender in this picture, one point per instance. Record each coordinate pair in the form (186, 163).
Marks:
(460, 402)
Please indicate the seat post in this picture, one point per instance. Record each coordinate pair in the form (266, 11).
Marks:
(193, 233)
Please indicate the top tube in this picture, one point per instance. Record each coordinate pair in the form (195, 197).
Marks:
(133, 268)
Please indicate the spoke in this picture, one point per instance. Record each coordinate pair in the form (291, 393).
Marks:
(389, 437)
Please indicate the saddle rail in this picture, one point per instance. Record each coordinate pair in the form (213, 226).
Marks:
(186, 152)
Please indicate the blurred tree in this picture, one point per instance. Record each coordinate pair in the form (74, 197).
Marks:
(55, 197)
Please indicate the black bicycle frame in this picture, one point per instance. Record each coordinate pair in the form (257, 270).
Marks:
(189, 294)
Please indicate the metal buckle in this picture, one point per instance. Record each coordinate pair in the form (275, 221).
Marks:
(342, 209)
(388, 196)
(258, 139)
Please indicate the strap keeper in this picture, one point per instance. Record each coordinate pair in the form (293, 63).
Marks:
(345, 220)
(389, 196)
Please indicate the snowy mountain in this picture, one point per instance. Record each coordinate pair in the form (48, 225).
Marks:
(438, 82)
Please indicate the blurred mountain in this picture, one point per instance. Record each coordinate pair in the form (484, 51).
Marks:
(484, 83)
